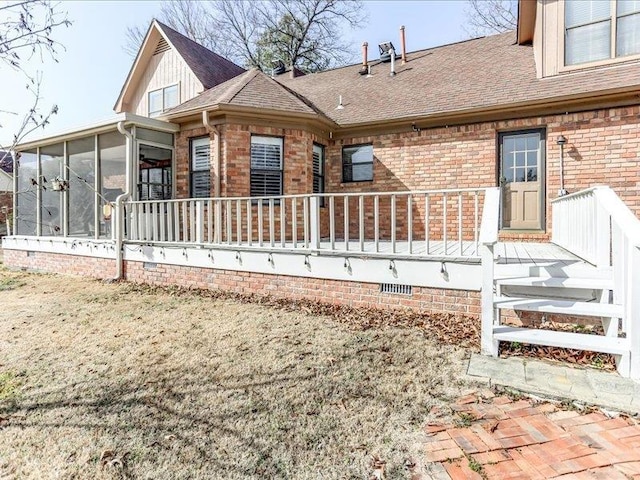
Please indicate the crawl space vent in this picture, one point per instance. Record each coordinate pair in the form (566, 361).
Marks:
(395, 289)
(163, 46)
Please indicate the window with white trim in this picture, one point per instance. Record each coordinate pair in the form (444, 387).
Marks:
(163, 99)
(200, 174)
(266, 166)
(596, 30)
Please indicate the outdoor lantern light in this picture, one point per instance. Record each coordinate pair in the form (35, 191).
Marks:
(562, 140)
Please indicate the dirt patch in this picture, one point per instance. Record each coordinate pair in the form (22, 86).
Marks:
(125, 381)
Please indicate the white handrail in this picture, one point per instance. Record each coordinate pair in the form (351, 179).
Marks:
(490, 217)
(414, 223)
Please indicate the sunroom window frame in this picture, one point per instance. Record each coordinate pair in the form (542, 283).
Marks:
(612, 59)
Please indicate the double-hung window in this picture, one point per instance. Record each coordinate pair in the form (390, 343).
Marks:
(318, 170)
(163, 99)
(266, 166)
(596, 30)
(357, 163)
(200, 180)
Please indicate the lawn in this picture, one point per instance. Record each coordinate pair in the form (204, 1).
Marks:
(102, 380)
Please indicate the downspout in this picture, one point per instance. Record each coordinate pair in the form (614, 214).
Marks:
(14, 205)
(217, 149)
(119, 210)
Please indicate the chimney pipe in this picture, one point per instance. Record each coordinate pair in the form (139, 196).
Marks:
(403, 43)
(392, 52)
(365, 54)
(293, 71)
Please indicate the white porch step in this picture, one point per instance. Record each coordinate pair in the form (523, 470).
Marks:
(578, 341)
(566, 282)
(567, 307)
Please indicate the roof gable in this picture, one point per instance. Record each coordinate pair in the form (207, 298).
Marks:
(209, 68)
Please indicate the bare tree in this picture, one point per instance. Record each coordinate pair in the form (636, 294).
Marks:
(303, 33)
(26, 29)
(488, 17)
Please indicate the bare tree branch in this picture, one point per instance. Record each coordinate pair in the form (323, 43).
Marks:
(488, 17)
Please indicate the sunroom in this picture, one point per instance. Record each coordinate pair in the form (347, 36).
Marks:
(66, 185)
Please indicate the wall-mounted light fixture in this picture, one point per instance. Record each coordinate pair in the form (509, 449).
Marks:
(562, 141)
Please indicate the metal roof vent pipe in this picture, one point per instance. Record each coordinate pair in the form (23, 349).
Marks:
(392, 53)
(365, 59)
(403, 45)
(340, 105)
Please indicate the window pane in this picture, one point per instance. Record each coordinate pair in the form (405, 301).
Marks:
(359, 154)
(533, 142)
(520, 156)
(628, 35)
(318, 160)
(26, 195)
(200, 154)
(266, 152)
(521, 143)
(628, 6)
(588, 44)
(155, 175)
(532, 159)
(200, 184)
(520, 174)
(171, 97)
(580, 12)
(532, 175)
(52, 166)
(362, 172)
(155, 101)
(81, 187)
(266, 183)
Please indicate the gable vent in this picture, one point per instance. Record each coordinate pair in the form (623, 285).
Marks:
(395, 289)
(163, 46)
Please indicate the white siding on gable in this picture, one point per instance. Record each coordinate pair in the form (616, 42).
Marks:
(164, 69)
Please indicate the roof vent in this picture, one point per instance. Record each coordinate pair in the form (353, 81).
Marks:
(385, 51)
(278, 68)
(162, 46)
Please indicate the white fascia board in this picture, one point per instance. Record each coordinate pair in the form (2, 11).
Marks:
(101, 127)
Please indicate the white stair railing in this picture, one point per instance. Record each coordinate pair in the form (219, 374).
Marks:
(488, 240)
(596, 225)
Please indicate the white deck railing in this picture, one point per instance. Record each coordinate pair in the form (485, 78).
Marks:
(597, 225)
(433, 223)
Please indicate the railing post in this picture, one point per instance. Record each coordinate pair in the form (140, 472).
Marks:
(199, 221)
(314, 206)
(603, 237)
(488, 346)
(632, 310)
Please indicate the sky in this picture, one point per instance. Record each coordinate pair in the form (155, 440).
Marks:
(93, 66)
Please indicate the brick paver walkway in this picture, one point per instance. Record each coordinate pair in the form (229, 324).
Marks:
(497, 438)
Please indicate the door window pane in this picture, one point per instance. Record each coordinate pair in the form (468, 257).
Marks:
(155, 173)
(520, 163)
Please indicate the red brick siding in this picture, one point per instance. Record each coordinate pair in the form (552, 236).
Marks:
(60, 263)
(6, 200)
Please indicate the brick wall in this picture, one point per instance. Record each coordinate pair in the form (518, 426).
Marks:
(60, 263)
(603, 148)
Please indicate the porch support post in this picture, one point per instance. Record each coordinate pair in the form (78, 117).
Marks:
(632, 309)
(14, 206)
(38, 194)
(314, 207)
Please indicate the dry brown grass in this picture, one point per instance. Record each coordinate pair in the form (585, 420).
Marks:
(115, 381)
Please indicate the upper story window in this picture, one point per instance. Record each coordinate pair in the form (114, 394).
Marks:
(266, 166)
(597, 30)
(163, 99)
(357, 163)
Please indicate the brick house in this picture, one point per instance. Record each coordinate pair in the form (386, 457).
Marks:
(455, 179)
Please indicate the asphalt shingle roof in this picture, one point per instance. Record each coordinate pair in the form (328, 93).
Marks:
(482, 73)
(251, 89)
(210, 68)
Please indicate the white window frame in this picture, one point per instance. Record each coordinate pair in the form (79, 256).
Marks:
(266, 140)
(194, 169)
(164, 107)
(563, 67)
